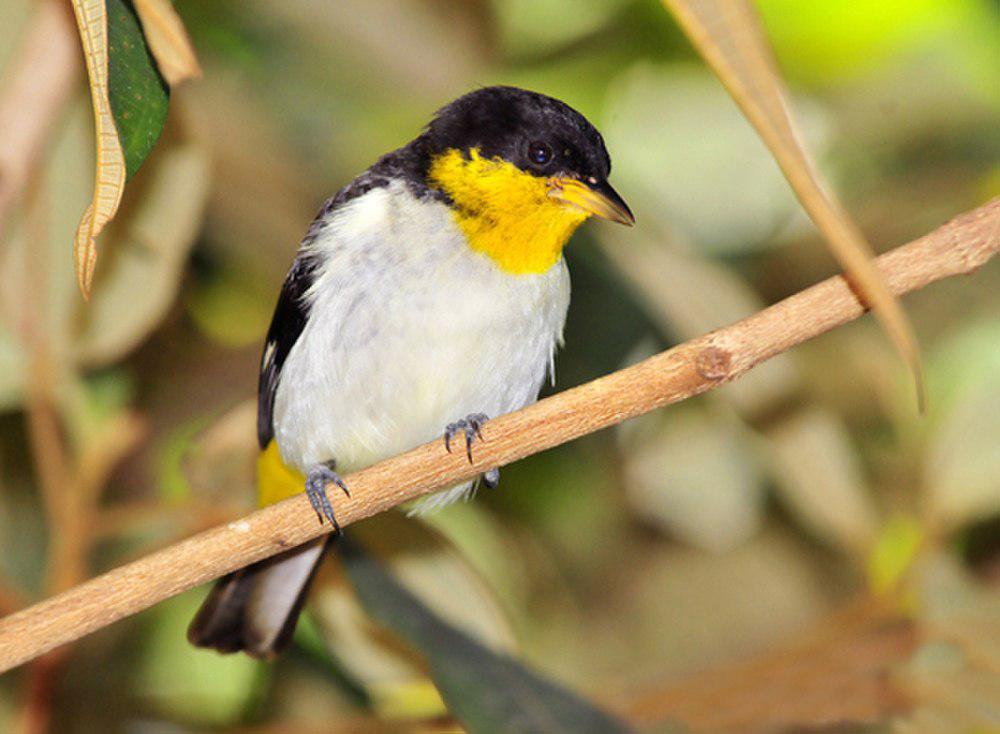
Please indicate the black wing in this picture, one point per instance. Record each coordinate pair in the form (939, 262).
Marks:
(292, 311)
(286, 325)
(407, 164)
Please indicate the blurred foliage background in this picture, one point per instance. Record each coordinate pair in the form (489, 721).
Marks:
(798, 549)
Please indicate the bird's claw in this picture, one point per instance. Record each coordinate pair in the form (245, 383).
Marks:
(318, 478)
(491, 478)
(471, 426)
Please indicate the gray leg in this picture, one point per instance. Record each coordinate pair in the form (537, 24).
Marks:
(319, 476)
(471, 428)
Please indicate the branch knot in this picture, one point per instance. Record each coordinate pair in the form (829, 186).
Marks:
(714, 363)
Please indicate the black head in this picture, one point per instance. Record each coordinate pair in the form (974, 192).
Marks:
(536, 133)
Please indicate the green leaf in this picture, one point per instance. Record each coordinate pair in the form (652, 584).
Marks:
(894, 553)
(137, 93)
(231, 304)
(484, 690)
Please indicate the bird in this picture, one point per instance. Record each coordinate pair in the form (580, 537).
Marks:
(427, 295)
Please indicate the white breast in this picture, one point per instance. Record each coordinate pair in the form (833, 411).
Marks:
(409, 329)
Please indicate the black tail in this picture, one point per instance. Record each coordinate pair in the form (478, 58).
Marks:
(254, 610)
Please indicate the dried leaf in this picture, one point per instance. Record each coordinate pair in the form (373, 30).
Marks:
(694, 474)
(837, 677)
(145, 253)
(729, 35)
(130, 107)
(953, 678)
(109, 182)
(168, 40)
(818, 475)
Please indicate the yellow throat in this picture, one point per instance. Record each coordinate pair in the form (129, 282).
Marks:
(504, 212)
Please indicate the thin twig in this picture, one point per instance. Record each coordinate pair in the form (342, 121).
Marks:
(959, 247)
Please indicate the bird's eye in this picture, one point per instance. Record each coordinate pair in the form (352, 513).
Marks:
(539, 153)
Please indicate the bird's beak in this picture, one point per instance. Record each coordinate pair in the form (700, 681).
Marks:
(594, 197)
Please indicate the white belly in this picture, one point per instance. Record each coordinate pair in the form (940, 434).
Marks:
(409, 330)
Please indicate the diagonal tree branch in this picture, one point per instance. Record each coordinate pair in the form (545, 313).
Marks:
(958, 247)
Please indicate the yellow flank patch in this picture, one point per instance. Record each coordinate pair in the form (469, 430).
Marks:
(275, 479)
(504, 212)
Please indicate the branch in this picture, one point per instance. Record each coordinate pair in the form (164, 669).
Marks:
(959, 247)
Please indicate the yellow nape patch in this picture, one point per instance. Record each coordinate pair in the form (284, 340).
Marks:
(504, 212)
(275, 479)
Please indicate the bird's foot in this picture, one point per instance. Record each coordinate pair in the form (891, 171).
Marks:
(470, 426)
(491, 478)
(320, 475)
